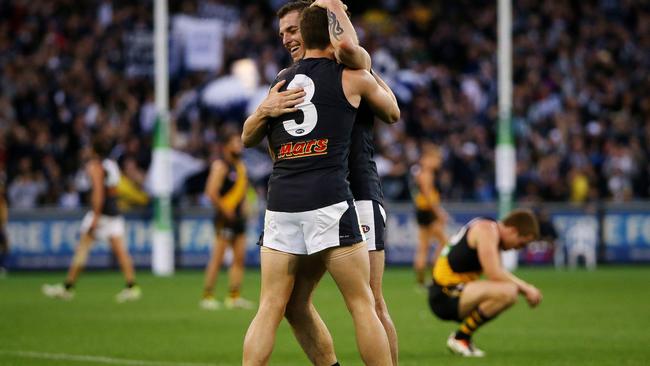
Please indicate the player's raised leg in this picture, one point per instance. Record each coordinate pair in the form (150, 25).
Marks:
(78, 260)
(278, 271)
(66, 290)
(350, 268)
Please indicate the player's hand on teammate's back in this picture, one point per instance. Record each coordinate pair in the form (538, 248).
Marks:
(533, 295)
(278, 103)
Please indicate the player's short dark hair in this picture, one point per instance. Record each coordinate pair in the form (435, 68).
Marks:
(297, 5)
(102, 146)
(524, 221)
(313, 27)
(227, 134)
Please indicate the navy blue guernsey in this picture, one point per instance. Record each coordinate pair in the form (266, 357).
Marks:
(311, 146)
(364, 179)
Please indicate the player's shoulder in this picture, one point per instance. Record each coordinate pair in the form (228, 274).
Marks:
(94, 164)
(483, 222)
(218, 165)
(287, 71)
(482, 226)
(282, 75)
(361, 75)
(358, 80)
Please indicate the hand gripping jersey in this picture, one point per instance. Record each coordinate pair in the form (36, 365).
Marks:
(311, 146)
(364, 179)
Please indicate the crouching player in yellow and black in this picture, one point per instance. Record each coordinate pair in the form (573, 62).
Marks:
(226, 187)
(458, 294)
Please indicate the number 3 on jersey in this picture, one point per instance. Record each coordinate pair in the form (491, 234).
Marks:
(307, 107)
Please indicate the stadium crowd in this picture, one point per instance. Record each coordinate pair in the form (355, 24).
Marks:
(581, 98)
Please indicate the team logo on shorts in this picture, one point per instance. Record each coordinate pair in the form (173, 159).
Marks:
(303, 149)
(365, 228)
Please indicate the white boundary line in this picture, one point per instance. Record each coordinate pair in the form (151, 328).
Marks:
(99, 359)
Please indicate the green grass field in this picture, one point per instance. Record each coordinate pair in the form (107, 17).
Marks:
(587, 318)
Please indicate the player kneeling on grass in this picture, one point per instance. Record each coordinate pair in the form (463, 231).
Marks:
(103, 222)
(458, 294)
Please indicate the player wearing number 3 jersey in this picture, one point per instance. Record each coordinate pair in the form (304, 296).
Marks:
(310, 209)
(311, 146)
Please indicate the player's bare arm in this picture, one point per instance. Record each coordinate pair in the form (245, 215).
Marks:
(216, 177)
(360, 84)
(532, 294)
(343, 36)
(95, 172)
(383, 84)
(276, 103)
(485, 235)
(424, 180)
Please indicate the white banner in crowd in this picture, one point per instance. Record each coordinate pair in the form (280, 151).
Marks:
(202, 42)
(183, 166)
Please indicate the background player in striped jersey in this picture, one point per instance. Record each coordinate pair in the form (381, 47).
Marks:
(226, 187)
(458, 294)
(103, 222)
(430, 216)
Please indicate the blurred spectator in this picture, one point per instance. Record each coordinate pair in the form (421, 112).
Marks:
(27, 187)
(70, 198)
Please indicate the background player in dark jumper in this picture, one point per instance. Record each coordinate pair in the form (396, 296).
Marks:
(226, 187)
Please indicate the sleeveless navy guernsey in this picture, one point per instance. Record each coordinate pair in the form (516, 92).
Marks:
(364, 179)
(311, 146)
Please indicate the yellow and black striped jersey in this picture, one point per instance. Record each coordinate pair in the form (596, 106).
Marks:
(458, 262)
(421, 201)
(235, 184)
